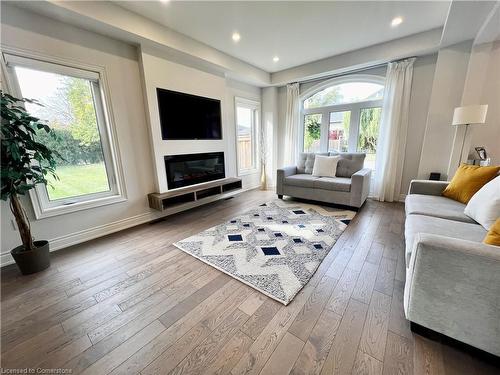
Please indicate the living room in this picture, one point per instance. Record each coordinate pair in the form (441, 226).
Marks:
(250, 187)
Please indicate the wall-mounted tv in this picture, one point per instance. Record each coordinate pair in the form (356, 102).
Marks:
(185, 116)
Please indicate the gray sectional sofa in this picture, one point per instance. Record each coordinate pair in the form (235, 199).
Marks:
(452, 278)
(350, 187)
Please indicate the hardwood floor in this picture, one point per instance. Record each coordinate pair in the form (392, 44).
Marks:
(133, 303)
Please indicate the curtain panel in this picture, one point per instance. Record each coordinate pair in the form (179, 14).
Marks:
(393, 131)
(291, 124)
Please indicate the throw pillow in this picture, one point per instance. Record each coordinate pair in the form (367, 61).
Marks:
(493, 236)
(484, 206)
(468, 180)
(325, 166)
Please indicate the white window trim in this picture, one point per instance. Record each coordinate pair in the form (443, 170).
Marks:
(354, 107)
(42, 207)
(255, 107)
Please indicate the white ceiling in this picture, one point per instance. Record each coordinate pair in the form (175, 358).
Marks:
(297, 32)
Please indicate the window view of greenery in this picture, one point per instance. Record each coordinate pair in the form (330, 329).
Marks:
(338, 131)
(244, 116)
(68, 106)
(312, 133)
(351, 92)
(369, 125)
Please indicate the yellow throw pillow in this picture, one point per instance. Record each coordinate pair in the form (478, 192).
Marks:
(468, 180)
(493, 236)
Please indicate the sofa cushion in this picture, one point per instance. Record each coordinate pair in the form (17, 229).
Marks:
(301, 180)
(484, 206)
(349, 163)
(467, 181)
(333, 183)
(325, 166)
(306, 161)
(434, 225)
(437, 206)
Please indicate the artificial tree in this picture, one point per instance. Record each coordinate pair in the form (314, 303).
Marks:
(24, 161)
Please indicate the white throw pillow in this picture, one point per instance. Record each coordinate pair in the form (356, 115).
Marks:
(484, 206)
(325, 166)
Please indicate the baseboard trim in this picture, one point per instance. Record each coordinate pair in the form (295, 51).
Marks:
(75, 238)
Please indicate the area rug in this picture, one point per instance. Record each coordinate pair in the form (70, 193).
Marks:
(274, 248)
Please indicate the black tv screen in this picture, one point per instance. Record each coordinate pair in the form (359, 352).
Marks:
(185, 116)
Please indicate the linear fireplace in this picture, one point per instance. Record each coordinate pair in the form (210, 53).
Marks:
(191, 169)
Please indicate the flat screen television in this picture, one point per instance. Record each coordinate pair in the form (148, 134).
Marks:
(185, 116)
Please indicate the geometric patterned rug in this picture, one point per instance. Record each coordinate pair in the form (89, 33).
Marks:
(274, 248)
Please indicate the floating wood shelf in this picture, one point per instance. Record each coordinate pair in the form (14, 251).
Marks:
(187, 197)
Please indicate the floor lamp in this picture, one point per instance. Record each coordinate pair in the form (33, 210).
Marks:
(469, 115)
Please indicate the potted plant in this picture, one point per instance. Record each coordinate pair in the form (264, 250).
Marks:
(25, 163)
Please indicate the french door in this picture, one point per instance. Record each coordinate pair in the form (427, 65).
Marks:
(350, 127)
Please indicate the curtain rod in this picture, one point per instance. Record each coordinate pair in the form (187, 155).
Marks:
(343, 74)
(354, 71)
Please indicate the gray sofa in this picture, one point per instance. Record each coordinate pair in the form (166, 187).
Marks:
(350, 187)
(452, 278)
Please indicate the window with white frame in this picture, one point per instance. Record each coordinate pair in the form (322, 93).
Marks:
(343, 115)
(247, 119)
(71, 101)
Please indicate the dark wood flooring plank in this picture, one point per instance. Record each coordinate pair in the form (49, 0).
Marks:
(258, 321)
(366, 365)
(385, 277)
(428, 357)
(230, 354)
(343, 352)
(374, 335)
(316, 349)
(284, 356)
(398, 358)
(365, 283)
(307, 317)
(148, 353)
(342, 292)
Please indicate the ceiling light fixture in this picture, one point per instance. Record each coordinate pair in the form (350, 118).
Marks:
(276, 59)
(396, 21)
(236, 36)
(164, 1)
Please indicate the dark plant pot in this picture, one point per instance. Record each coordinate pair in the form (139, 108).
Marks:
(32, 261)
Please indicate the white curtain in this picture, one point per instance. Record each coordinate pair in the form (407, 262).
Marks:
(291, 123)
(393, 130)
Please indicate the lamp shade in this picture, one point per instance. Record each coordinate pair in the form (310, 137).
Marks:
(471, 114)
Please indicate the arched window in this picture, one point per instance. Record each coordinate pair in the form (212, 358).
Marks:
(343, 114)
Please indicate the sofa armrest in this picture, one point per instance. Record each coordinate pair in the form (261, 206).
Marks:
(360, 186)
(453, 287)
(280, 177)
(427, 187)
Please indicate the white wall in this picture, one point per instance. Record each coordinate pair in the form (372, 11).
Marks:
(447, 88)
(53, 38)
(270, 122)
(483, 87)
(158, 72)
(241, 90)
(161, 73)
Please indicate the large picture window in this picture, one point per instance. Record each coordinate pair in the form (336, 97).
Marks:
(344, 115)
(71, 101)
(247, 119)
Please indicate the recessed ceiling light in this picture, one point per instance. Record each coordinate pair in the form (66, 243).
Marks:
(396, 21)
(236, 37)
(164, 1)
(276, 59)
